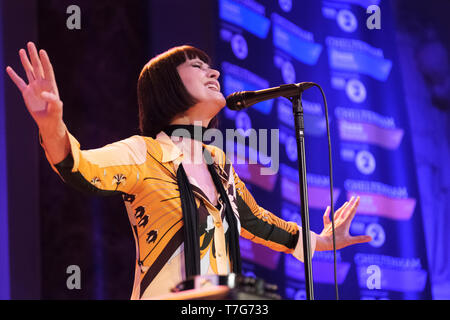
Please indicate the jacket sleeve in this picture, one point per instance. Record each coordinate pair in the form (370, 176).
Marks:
(112, 169)
(263, 227)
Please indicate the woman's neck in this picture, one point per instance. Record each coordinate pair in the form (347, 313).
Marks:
(186, 120)
(191, 144)
(192, 149)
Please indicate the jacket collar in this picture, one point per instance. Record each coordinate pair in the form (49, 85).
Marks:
(172, 153)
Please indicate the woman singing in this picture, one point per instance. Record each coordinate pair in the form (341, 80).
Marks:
(186, 212)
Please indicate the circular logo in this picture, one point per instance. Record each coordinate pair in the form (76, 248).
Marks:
(285, 5)
(376, 231)
(300, 295)
(356, 91)
(239, 46)
(346, 20)
(365, 162)
(288, 72)
(291, 148)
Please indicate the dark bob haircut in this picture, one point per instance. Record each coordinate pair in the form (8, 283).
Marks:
(161, 93)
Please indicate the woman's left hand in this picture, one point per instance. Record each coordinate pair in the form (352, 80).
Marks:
(342, 219)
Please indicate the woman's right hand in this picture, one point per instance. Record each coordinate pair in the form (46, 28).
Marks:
(40, 95)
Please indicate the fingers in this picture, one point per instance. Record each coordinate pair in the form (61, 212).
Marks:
(340, 212)
(326, 216)
(16, 79)
(47, 66)
(35, 61)
(348, 209)
(361, 239)
(352, 209)
(337, 214)
(27, 65)
(54, 104)
(344, 214)
(48, 70)
(39, 68)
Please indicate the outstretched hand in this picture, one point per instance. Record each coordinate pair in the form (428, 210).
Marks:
(40, 95)
(342, 219)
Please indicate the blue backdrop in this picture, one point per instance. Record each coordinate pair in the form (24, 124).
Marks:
(268, 43)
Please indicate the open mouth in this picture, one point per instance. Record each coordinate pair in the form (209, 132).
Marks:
(213, 86)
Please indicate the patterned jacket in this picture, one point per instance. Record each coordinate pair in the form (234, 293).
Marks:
(143, 171)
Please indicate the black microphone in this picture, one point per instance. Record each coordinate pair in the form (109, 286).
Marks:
(244, 99)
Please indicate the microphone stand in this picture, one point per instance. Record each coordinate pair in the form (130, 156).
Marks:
(297, 109)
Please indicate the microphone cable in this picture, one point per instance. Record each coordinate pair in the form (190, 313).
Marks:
(331, 188)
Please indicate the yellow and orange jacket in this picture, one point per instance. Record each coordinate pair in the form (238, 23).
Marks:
(143, 170)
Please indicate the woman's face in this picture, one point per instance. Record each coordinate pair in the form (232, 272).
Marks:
(202, 83)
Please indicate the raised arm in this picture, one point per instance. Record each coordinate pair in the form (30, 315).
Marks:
(42, 100)
(109, 170)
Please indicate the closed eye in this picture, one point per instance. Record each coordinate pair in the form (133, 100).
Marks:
(200, 65)
(197, 64)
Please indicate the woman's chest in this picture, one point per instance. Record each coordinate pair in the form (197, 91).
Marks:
(199, 175)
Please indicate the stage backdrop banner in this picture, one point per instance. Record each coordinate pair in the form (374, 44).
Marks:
(347, 47)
